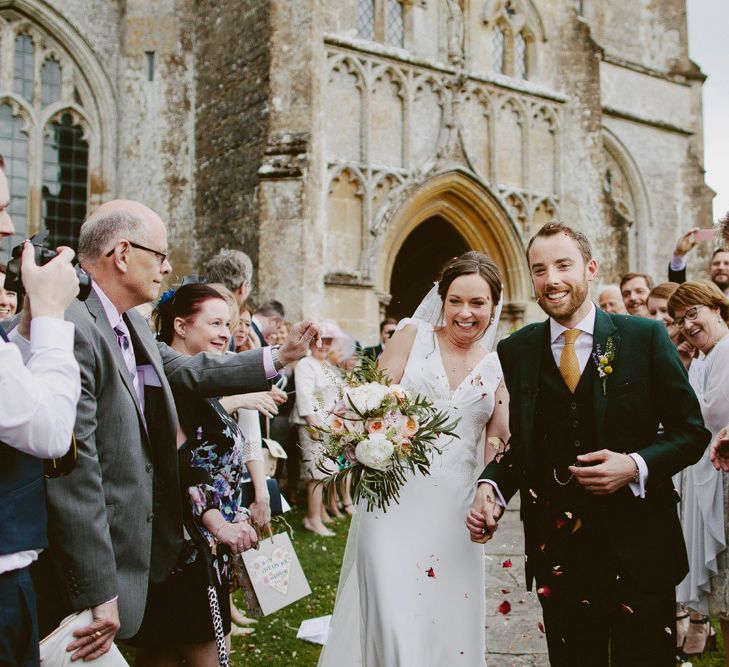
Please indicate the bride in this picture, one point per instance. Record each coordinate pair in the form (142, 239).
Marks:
(412, 588)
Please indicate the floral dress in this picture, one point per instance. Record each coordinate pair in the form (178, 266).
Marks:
(212, 470)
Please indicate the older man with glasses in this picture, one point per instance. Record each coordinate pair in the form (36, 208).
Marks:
(115, 524)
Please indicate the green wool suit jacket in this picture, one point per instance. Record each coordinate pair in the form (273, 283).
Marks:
(648, 387)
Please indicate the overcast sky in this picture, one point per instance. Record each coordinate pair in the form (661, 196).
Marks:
(708, 21)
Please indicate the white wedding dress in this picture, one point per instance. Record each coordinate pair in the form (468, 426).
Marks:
(412, 589)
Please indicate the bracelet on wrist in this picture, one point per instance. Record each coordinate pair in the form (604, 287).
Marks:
(217, 530)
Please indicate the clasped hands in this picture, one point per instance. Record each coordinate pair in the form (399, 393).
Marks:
(601, 473)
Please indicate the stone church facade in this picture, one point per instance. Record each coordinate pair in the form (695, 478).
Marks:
(351, 146)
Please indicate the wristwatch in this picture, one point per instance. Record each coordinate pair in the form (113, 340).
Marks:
(275, 357)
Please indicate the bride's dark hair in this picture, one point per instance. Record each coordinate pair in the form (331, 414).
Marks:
(469, 263)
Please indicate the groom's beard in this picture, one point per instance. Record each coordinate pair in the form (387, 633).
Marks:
(564, 310)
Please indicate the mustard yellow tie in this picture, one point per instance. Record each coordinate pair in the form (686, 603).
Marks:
(569, 367)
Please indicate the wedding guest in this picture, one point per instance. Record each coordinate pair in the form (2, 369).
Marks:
(234, 269)
(316, 391)
(244, 337)
(718, 267)
(115, 524)
(634, 288)
(266, 319)
(178, 623)
(8, 298)
(611, 300)
(387, 329)
(41, 386)
(657, 304)
(720, 446)
(283, 430)
(701, 310)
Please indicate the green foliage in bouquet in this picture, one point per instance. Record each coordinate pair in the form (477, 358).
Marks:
(376, 435)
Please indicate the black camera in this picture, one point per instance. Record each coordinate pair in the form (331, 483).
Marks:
(43, 255)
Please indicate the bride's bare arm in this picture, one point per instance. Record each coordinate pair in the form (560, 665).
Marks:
(395, 356)
(498, 426)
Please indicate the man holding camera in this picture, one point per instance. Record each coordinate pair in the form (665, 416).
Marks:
(116, 522)
(40, 390)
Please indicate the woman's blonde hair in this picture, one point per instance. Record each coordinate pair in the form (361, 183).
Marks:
(699, 293)
(231, 301)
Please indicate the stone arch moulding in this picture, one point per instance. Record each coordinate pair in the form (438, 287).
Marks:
(476, 214)
(619, 152)
(99, 85)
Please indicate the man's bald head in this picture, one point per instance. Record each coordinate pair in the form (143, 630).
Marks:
(114, 220)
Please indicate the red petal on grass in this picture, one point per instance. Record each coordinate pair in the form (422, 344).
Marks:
(542, 547)
(430, 572)
(505, 591)
(557, 571)
(504, 608)
(626, 608)
(560, 523)
(544, 591)
(506, 563)
(540, 627)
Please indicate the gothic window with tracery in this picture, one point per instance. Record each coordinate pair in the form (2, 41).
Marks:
(381, 21)
(497, 50)
(514, 28)
(395, 32)
(50, 82)
(44, 136)
(520, 56)
(14, 148)
(65, 166)
(23, 67)
(366, 19)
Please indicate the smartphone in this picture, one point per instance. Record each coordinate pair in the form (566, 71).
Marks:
(704, 235)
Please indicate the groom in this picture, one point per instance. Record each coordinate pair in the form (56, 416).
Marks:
(588, 391)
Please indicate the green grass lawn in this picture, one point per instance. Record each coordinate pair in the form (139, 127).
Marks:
(274, 642)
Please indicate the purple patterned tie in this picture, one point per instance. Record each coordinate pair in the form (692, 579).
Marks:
(122, 338)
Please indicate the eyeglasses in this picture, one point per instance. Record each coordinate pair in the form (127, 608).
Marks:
(689, 316)
(162, 256)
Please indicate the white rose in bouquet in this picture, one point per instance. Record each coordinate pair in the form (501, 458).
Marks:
(375, 452)
(367, 397)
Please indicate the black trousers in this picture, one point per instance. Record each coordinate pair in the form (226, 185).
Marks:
(18, 620)
(596, 614)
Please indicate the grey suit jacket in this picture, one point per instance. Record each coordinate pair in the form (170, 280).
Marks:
(115, 521)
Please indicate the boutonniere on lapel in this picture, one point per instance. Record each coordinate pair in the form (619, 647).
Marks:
(604, 361)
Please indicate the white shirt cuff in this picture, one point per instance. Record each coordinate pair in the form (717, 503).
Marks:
(678, 262)
(638, 488)
(499, 497)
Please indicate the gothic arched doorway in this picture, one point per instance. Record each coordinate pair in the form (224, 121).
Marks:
(419, 261)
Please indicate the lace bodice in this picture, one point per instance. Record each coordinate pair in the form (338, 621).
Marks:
(472, 402)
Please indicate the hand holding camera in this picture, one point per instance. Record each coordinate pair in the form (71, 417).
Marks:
(51, 288)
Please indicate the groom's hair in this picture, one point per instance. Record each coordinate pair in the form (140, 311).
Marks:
(557, 227)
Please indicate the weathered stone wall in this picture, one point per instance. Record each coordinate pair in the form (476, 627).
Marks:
(156, 117)
(232, 63)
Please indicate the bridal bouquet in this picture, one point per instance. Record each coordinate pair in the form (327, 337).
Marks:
(375, 434)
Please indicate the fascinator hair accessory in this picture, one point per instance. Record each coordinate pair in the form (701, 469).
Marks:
(169, 295)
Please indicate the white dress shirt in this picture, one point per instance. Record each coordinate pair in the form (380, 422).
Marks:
(40, 384)
(583, 350)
